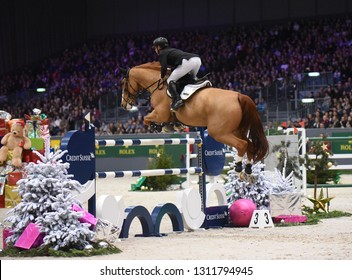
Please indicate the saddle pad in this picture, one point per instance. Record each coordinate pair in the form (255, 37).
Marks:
(190, 89)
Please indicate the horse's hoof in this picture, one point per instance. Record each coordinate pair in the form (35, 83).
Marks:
(155, 127)
(238, 167)
(168, 128)
(179, 127)
(247, 177)
(248, 168)
(251, 179)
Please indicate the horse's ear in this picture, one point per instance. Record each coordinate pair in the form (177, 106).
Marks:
(123, 70)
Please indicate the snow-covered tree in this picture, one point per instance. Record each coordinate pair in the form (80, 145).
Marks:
(62, 227)
(258, 192)
(47, 201)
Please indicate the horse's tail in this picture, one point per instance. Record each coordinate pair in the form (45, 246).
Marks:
(258, 145)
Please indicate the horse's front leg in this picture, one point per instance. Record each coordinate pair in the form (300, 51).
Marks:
(158, 116)
(151, 117)
(151, 121)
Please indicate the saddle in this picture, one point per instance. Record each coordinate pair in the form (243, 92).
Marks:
(187, 85)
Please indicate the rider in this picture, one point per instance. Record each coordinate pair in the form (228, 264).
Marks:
(182, 62)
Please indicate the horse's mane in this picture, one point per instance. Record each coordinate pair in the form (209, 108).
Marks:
(154, 65)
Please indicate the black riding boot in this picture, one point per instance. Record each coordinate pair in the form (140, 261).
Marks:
(177, 102)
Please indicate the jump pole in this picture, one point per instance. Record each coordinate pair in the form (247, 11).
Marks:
(81, 156)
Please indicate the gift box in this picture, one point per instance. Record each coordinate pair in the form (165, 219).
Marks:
(290, 219)
(3, 129)
(6, 232)
(37, 143)
(87, 217)
(13, 177)
(2, 201)
(2, 184)
(30, 238)
(285, 204)
(12, 198)
(35, 157)
(30, 156)
(33, 129)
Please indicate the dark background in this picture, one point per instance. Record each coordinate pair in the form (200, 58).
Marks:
(33, 29)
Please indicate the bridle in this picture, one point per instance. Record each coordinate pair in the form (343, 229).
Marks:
(131, 97)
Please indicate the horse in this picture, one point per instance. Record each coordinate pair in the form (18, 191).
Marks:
(230, 117)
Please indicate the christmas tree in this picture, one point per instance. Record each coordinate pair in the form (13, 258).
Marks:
(258, 192)
(319, 165)
(47, 201)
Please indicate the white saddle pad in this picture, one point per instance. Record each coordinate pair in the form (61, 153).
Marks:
(190, 89)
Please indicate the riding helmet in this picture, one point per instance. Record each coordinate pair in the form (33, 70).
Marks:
(161, 42)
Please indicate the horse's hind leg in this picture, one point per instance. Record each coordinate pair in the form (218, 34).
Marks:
(231, 140)
(248, 165)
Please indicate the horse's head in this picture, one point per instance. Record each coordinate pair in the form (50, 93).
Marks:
(145, 76)
(129, 90)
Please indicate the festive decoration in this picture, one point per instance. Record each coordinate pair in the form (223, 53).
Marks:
(47, 201)
(318, 166)
(285, 162)
(258, 191)
(320, 202)
(104, 230)
(160, 183)
(290, 219)
(4, 118)
(34, 123)
(284, 197)
(86, 217)
(30, 238)
(283, 184)
(14, 143)
(6, 232)
(241, 212)
(12, 197)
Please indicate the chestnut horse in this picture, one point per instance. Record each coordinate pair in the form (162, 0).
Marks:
(231, 118)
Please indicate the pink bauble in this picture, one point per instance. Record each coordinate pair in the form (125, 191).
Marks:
(241, 212)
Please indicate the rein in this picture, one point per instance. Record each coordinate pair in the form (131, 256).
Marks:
(131, 97)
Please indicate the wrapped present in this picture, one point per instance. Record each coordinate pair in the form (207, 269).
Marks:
(35, 157)
(26, 155)
(13, 177)
(87, 217)
(2, 201)
(5, 115)
(290, 219)
(3, 129)
(12, 198)
(285, 204)
(2, 184)
(6, 232)
(30, 238)
(35, 122)
(33, 128)
(37, 143)
(30, 156)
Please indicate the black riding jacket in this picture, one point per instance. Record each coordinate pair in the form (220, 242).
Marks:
(172, 57)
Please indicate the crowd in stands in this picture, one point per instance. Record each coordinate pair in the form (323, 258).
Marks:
(241, 58)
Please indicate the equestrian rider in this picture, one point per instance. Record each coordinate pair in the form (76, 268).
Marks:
(182, 63)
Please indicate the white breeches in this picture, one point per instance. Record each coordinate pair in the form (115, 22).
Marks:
(187, 66)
